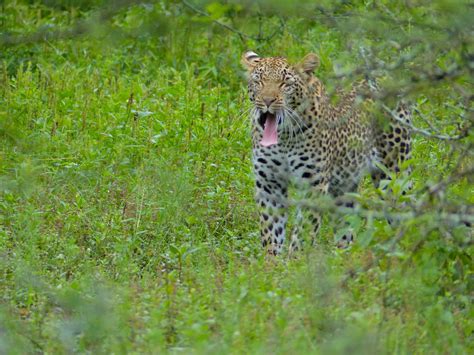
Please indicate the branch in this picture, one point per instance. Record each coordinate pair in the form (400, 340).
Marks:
(424, 132)
(241, 35)
(453, 217)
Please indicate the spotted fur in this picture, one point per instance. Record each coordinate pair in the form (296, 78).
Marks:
(322, 148)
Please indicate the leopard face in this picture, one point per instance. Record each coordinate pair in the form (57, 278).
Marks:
(278, 89)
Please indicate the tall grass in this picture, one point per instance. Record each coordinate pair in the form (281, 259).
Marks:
(127, 221)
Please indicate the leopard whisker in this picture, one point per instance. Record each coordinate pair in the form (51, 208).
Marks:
(295, 121)
(293, 127)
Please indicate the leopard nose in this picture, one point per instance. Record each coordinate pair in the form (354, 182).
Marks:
(268, 101)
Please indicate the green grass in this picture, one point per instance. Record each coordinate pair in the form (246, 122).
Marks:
(127, 221)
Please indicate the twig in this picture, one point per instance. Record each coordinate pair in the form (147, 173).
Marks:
(242, 36)
(424, 132)
(452, 217)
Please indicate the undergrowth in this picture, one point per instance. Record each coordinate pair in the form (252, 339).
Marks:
(127, 220)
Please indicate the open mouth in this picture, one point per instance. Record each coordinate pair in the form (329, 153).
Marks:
(270, 129)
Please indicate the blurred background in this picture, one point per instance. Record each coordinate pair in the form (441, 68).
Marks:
(127, 220)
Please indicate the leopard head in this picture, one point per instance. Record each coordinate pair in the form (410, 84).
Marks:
(279, 91)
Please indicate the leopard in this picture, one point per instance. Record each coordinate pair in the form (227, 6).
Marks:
(301, 138)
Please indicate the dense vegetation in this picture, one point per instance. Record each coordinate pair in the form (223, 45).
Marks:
(127, 221)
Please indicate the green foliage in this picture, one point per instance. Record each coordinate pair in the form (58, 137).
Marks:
(127, 221)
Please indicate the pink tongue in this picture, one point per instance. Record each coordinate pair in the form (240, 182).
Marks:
(270, 132)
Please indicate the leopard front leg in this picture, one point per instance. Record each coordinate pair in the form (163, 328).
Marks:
(271, 195)
(307, 217)
(343, 231)
(347, 238)
(273, 220)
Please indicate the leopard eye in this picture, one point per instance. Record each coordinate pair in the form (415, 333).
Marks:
(254, 77)
(290, 80)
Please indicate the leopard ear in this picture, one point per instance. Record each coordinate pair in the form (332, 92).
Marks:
(308, 64)
(250, 59)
